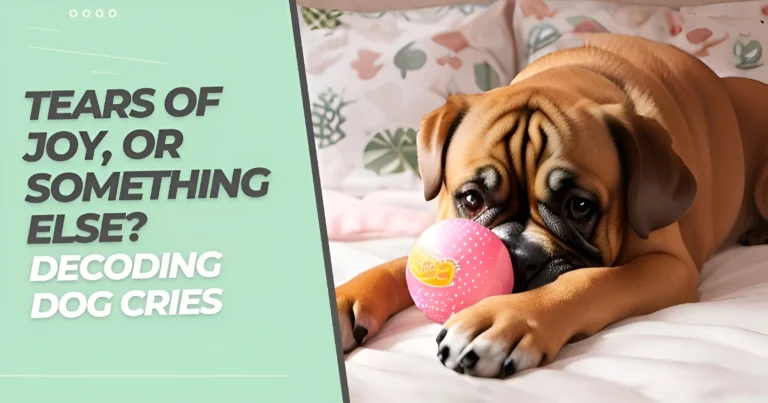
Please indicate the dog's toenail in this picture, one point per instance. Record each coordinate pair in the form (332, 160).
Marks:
(359, 334)
(443, 354)
(509, 368)
(469, 360)
(441, 335)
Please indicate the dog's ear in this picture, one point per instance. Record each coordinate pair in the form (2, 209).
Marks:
(435, 133)
(660, 187)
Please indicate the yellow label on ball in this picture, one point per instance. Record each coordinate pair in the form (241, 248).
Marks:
(434, 272)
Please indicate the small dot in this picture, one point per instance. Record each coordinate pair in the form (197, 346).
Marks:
(112, 13)
(73, 13)
(86, 13)
(99, 13)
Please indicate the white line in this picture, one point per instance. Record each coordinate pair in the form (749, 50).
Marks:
(44, 29)
(144, 376)
(103, 72)
(97, 55)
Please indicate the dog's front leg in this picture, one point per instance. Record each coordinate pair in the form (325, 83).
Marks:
(366, 301)
(506, 334)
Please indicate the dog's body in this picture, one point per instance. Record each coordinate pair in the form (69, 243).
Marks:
(612, 171)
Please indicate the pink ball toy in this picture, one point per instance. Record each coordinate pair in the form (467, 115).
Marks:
(455, 264)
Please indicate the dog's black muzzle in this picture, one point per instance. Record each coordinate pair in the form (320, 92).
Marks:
(534, 266)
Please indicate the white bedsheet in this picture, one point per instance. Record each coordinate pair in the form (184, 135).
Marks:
(712, 351)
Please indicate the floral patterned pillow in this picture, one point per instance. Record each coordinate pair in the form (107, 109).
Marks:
(727, 37)
(371, 77)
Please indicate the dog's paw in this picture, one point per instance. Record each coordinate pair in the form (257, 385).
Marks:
(494, 339)
(358, 320)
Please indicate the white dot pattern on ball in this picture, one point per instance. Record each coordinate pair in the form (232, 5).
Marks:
(492, 276)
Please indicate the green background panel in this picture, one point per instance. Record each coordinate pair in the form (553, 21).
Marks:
(276, 317)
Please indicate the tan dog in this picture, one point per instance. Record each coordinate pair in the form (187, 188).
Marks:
(612, 172)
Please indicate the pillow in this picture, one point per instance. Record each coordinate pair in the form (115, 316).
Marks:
(386, 5)
(746, 27)
(350, 219)
(371, 77)
(381, 5)
(727, 37)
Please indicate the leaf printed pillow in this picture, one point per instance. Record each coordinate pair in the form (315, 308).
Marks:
(372, 77)
(390, 152)
(727, 37)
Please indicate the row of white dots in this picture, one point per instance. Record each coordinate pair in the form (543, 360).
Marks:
(87, 13)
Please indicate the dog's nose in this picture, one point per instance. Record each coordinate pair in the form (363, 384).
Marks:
(508, 232)
(529, 257)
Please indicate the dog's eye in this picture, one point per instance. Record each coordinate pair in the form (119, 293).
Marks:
(579, 208)
(472, 201)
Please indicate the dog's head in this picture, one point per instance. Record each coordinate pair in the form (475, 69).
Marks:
(561, 165)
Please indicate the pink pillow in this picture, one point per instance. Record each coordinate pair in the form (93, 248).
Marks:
(350, 219)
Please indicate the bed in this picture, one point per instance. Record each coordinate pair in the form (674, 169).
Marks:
(712, 351)
(367, 98)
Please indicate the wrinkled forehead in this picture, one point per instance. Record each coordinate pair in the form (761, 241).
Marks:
(478, 144)
(514, 140)
(584, 146)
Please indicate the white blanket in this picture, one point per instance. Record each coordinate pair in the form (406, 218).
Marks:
(712, 351)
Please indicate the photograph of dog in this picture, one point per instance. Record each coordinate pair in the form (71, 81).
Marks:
(612, 171)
